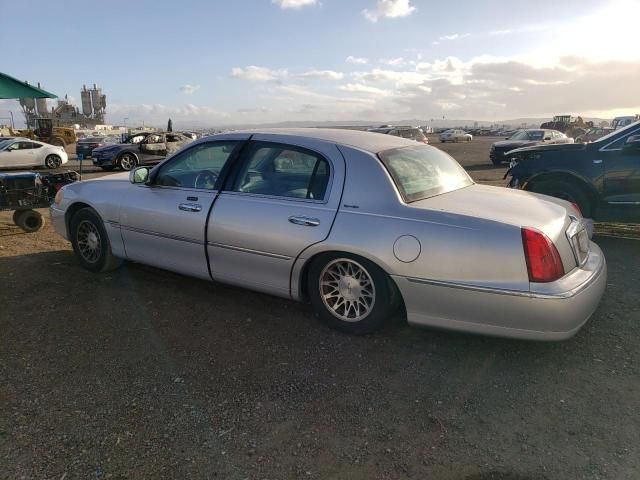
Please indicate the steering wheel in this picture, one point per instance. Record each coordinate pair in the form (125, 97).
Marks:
(206, 179)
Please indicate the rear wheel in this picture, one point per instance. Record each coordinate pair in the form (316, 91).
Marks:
(349, 293)
(52, 161)
(91, 243)
(566, 191)
(128, 161)
(28, 220)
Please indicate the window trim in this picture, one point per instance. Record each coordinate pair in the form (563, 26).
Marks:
(627, 135)
(244, 158)
(228, 166)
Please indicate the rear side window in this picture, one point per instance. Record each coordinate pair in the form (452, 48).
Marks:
(283, 171)
(421, 172)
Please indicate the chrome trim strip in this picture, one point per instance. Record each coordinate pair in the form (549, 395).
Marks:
(161, 235)
(396, 217)
(623, 203)
(249, 250)
(504, 291)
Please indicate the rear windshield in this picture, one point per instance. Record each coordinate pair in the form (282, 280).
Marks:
(421, 171)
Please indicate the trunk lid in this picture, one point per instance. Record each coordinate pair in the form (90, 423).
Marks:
(518, 208)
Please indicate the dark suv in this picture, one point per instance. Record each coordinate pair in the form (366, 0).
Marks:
(602, 178)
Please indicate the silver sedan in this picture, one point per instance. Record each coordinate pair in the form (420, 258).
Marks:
(356, 223)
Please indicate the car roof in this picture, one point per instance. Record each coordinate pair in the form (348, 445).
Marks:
(367, 141)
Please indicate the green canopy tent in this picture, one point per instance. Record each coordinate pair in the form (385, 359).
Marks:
(13, 88)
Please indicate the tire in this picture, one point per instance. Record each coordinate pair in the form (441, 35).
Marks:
(343, 274)
(108, 168)
(127, 161)
(567, 191)
(52, 161)
(28, 220)
(91, 243)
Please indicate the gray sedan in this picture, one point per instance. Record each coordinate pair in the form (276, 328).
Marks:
(356, 223)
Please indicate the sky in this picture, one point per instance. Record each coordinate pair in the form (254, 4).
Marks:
(226, 62)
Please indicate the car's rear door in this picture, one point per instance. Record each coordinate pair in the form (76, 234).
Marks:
(622, 173)
(164, 224)
(283, 198)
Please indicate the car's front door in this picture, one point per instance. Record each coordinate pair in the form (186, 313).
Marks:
(622, 172)
(153, 148)
(163, 224)
(18, 154)
(282, 199)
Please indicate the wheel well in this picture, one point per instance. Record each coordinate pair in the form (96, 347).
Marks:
(304, 273)
(121, 154)
(565, 177)
(71, 211)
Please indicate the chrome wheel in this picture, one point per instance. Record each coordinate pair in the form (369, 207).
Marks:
(127, 161)
(53, 161)
(89, 241)
(347, 290)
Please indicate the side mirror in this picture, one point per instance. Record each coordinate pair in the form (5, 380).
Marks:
(139, 175)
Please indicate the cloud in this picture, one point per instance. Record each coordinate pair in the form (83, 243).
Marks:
(295, 4)
(454, 36)
(157, 114)
(188, 89)
(362, 88)
(393, 62)
(322, 74)
(357, 60)
(389, 9)
(258, 74)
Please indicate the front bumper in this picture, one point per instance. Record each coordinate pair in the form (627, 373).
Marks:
(102, 160)
(58, 221)
(550, 311)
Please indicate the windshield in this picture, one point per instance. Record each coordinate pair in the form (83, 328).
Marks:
(420, 172)
(527, 135)
(618, 132)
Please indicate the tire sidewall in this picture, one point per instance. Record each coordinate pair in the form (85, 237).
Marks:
(88, 214)
(57, 161)
(383, 300)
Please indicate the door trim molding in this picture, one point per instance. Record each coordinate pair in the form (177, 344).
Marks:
(157, 234)
(249, 250)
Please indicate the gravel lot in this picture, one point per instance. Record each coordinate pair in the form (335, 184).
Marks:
(145, 374)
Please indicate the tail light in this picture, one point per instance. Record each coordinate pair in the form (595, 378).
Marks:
(543, 260)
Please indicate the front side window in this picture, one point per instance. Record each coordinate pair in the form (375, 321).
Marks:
(198, 167)
(283, 171)
(421, 172)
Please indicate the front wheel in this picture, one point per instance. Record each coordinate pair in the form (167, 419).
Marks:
(91, 243)
(52, 161)
(128, 161)
(349, 293)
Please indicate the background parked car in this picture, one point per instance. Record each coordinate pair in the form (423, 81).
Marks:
(138, 149)
(455, 135)
(602, 178)
(525, 138)
(404, 132)
(593, 134)
(86, 145)
(23, 152)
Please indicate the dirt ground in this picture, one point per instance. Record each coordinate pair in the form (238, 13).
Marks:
(142, 374)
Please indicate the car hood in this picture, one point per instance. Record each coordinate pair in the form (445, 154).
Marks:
(114, 177)
(511, 144)
(513, 207)
(553, 147)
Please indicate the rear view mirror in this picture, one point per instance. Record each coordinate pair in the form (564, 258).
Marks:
(139, 175)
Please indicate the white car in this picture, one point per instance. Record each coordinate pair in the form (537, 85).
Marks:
(23, 152)
(455, 135)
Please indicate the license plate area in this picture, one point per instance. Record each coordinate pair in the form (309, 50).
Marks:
(579, 239)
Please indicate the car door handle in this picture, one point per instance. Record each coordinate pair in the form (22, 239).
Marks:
(305, 221)
(190, 207)
(597, 161)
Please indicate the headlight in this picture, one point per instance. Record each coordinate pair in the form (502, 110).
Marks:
(59, 197)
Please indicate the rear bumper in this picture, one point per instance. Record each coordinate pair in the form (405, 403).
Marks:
(553, 311)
